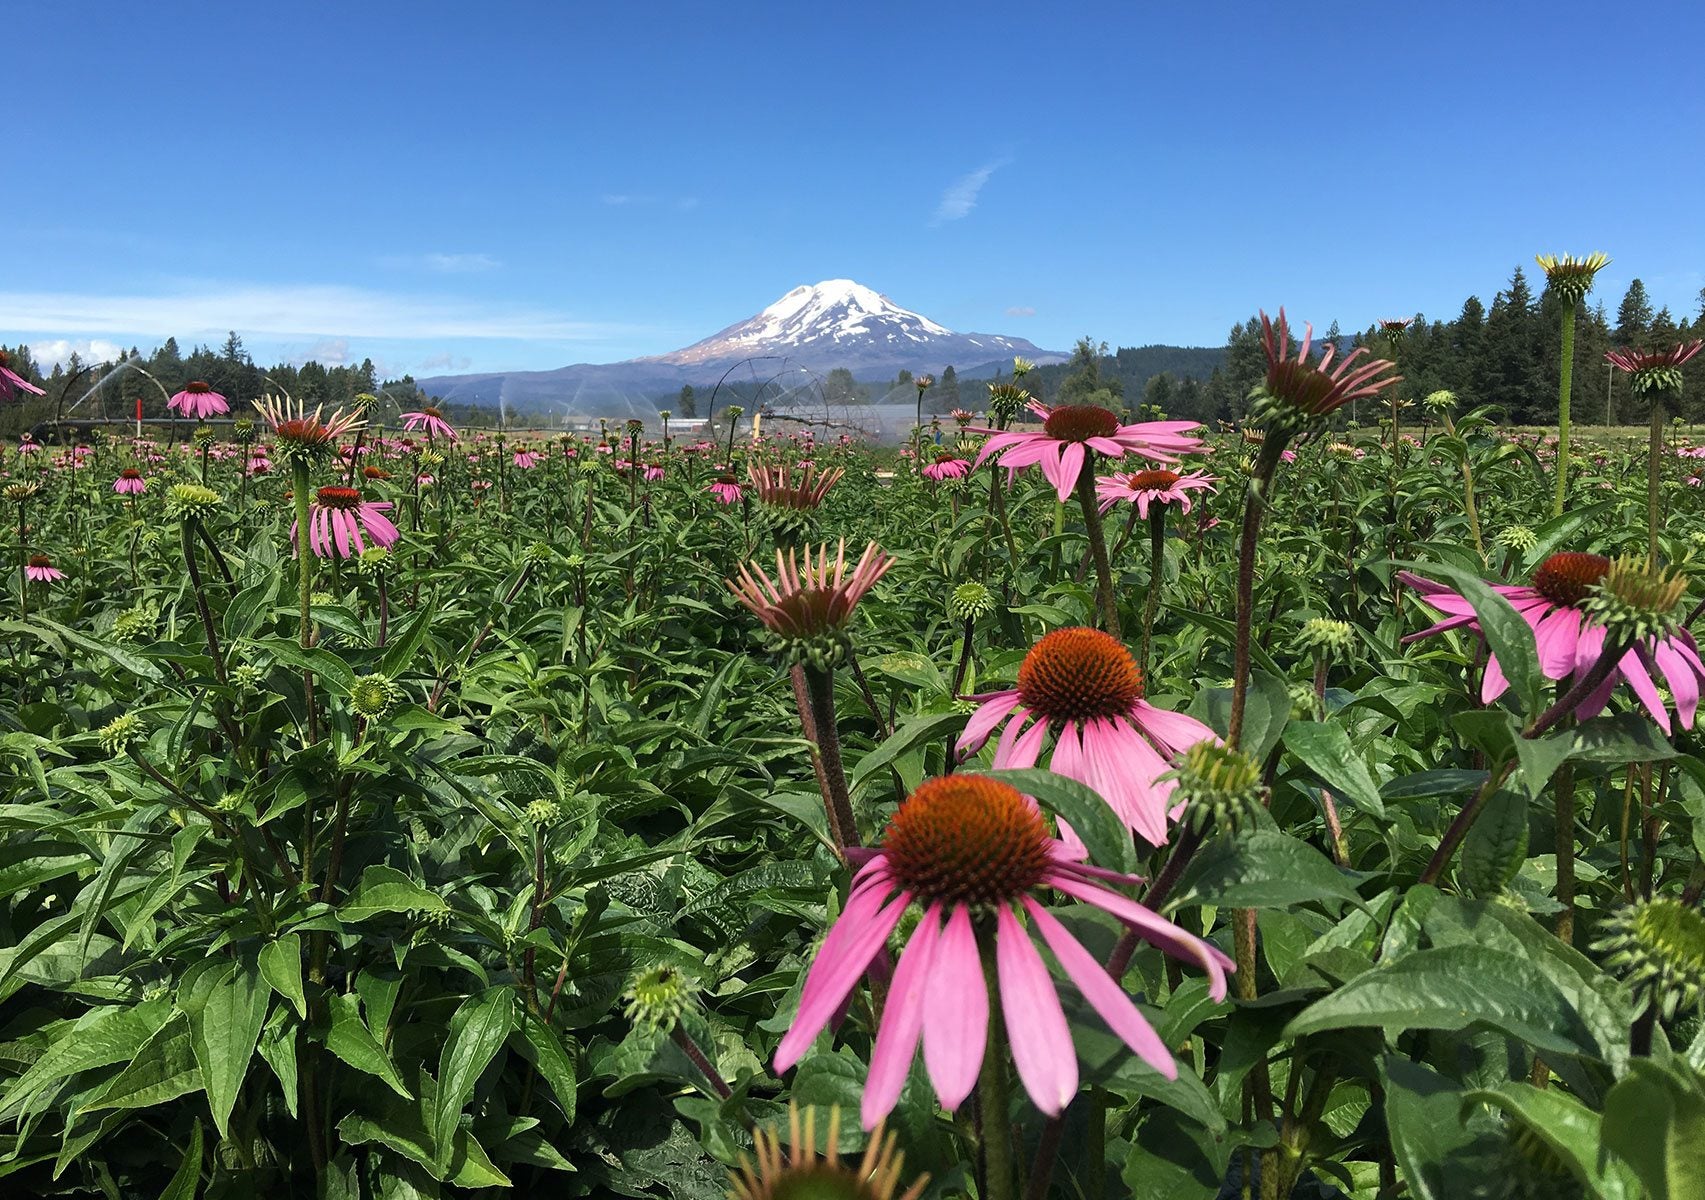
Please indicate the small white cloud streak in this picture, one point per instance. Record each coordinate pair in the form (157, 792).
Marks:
(440, 263)
(309, 311)
(959, 199)
(1021, 310)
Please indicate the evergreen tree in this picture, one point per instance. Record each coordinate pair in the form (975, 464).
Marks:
(686, 404)
(946, 391)
(1161, 392)
(1634, 316)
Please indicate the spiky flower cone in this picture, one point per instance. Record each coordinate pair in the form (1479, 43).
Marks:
(1571, 279)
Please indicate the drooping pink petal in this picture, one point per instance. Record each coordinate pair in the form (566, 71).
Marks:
(1107, 997)
(902, 1021)
(838, 966)
(1017, 750)
(956, 1012)
(982, 723)
(1035, 1024)
(1152, 927)
(1171, 732)
(1633, 669)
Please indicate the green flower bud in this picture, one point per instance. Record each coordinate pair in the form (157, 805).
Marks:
(658, 996)
(1637, 599)
(192, 502)
(117, 734)
(1517, 537)
(544, 813)
(1657, 946)
(1324, 636)
(1219, 786)
(373, 696)
(970, 601)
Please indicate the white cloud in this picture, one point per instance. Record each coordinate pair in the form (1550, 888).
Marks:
(289, 310)
(440, 263)
(445, 362)
(621, 200)
(330, 352)
(631, 200)
(47, 355)
(959, 199)
(1021, 310)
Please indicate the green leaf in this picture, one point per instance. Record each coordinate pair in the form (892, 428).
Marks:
(1102, 831)
(164, 1069)
(187, 1180)
(1507, 633)
(121, 658)
(99, 1038)
(281, 967)
(399, 655)
(1655, 1119)
(477, 1031)
(350, 1040)
(1496, 845)
(1266, 709)
(915, 732)
(1537, 759)
(387, 890)
(1628, 737)
(1569, 1128)
(540, 1045)
(1439, 1154)
(225, 1020)
(1453, 988)
(1262, 869)
(1325, 749)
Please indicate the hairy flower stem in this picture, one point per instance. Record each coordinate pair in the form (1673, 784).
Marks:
(1564, 784)
(820, 691)
(187, 529)
(1255, 505)
(967, 653)
(994, 1104)
(697, 1057)
(1098, 546)
(1151, 601)
(1564, 380)
(1654, 465)
(808, 726)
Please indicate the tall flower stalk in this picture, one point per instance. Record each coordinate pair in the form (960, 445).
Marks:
(1654, 374)
(1571, 279)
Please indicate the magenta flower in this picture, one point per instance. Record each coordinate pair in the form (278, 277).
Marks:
(1309, 389)
(780, 487)
(1144, 488)
(258, 464)
(947, 466)
(130, 482)
(1069, 433)
(959, 844)
(1085, 685)
(727, 489)
(526, 460)
(431, 420)
(198, 401)
(813, 600)
(40, 569)
(653, 472)
(338, 517)
(1569, 644)
(1653, 369)
(11, 383)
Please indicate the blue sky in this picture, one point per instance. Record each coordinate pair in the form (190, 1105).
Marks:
(524, 185)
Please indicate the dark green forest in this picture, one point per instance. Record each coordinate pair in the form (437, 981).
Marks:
(1503, 354)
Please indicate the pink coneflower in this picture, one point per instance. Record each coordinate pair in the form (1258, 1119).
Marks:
(40, 569)
(1654, 369)
(947, 466)
(653, 472)
(303, 436)
(727, 489)
(198, 401)
(130, 482)
(258, 464)
(431, 420)
(27, 445)
(11, 383)
(1306, 390)
(1569, 643)
(780, 487)
(959, 845)
(962, 417)
(340, 516)
(813, 600)
(525, 460)
(1084, 685)
(1144, 488)
(1070, 432)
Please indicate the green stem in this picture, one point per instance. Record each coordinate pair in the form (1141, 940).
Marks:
(1157, 563)
(1097, 544)
(994, 1102)
(1654, 463)
(820, 687)
(1255, 505)
(1563, 387)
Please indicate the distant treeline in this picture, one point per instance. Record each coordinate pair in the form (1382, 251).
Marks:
(1504, 355)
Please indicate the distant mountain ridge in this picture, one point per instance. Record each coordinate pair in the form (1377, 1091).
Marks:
(812, 330)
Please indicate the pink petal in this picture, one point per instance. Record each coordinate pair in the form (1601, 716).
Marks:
(902, 1022)
(982, 723)
(1035, 1024)
(863, 930)
(1153, 928)
(956, 1012)
(1107, 997)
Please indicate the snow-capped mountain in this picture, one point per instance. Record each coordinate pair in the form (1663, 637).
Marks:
(839, 323)
(836, 323)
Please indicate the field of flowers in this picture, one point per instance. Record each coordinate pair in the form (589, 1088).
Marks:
(1076, 807)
